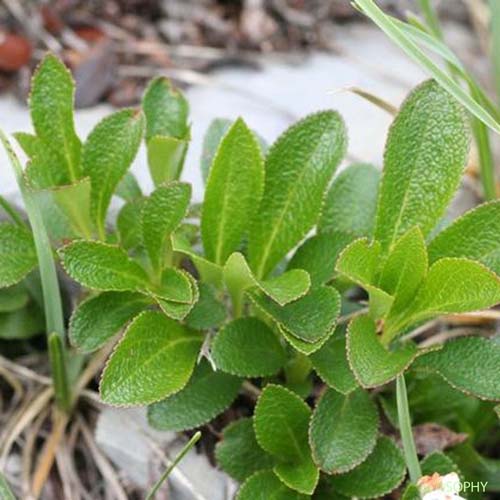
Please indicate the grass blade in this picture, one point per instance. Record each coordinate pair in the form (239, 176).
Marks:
(495, 42)
(178, 458)
(5, 491)
(48, 274)
(370, 9)
(404, 419)
(59, 377)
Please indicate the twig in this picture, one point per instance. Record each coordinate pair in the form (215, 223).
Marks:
(421, 329)
(48, 453)
(447, 335)
(250, 389)
(28, 450)
(347, 317)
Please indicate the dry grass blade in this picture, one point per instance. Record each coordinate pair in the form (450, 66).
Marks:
(102, 462)
(28, 451)
(21, 420)
(454, 333)
(374, 99)
(17, 387)
(48, 453)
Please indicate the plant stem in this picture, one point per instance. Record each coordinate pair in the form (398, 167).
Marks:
(59, 379)
(237, 302)
(409, 448)
(101, 230)
(54, 317)
(169, 469)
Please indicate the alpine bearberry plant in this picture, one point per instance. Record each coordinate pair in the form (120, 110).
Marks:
(306, 300)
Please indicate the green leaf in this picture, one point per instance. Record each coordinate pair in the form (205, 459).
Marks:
(57, 224)
(96, 320)
(129, 224)
(162, 213)
(264, 485)
(411, 493)
(453, 285)
(233, 192)
(22, 323)
(13, 298)
(281, 421)
(302, 346)
(318, 255)
(438, 462)
(351, 201)
(359, 262)
(325, 491)
(392, 30)
(166, 157)
(371, 362)
(283, 289)
(213, 136)
(209, 272)
(405, 269)
(330, 362)
(154, 359)
(475, 235)
(302, 476)
(102, 267)
(29, 143)
(382, 472)
(167, 130)
(178, 293)
(51, 105)
(46, 167)
(310, 318)
(176, 286)
(424, 160)
(299, 167)
(166, 110)
(208, 312)
(248, 347)
(74, 202)
(474, 465)
(128, 188)
(107, 155)
(238, 453)
(17, 254)
(468, 364)
(207, 394)
(343, 430)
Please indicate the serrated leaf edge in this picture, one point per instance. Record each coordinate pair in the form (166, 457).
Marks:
(400, 482)
(106, 364)
(371, 386)
(341, 470)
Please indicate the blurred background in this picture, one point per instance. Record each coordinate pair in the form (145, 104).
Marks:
(270, 61)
